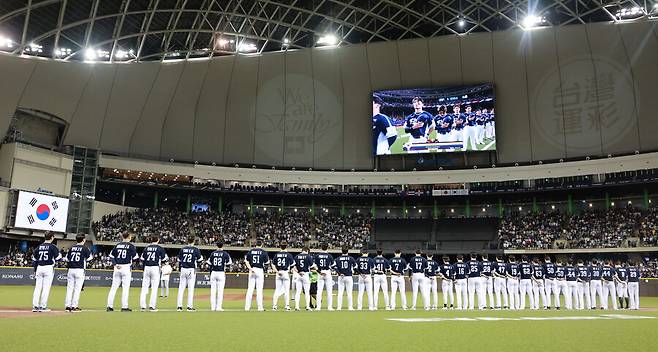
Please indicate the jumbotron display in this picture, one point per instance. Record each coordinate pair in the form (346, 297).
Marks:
(434, 120)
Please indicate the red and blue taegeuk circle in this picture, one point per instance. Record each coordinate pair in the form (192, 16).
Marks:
(43, 212)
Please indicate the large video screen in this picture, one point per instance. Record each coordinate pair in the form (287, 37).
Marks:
(41, 212)
(434, 120)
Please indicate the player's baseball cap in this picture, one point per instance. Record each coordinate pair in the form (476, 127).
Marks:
(417, 99)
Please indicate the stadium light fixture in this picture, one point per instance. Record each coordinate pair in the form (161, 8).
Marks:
(590, 205)
(245, 47)
(6, 42)
(328, 39)
(532, 21)
(286, 41)
(630, 13)
(553, 207)
(33, 48)
(612, 204)
(123, 54)
(461, 23)
(358, 210)
(452, 210)
(61, 52)
(520, 208)
(90, 54)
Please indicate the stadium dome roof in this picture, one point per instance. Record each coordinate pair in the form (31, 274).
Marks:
(135, 30)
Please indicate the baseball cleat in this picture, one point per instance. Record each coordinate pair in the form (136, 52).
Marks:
(109, 309)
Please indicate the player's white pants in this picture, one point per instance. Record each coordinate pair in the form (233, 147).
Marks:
(634, 295)
(432, 291)
(549, 289)
(150, 279)
(525, 287)
(397, 282)
(302, 282)
(572, 294)
(459, 135)
(561, 287)
(584, 297)
(479, 134)
(75, 278)
(447, 292)
(476, 286)
(44, 280)
(365, 284)
(164, 286)
(121, 277)
(461, 290)
(217, 283)
(256, 280)
(325, 282)
(487, 286)
(444, 137)
(469, 138)
(282, 287)
(345, 283)
(187, 280)
(500, 288)
(513, 292)
(609, 289)
(488, 131)
(596, 289)
(418, 284)
(538, 291)
(379, 281)
(622, 289)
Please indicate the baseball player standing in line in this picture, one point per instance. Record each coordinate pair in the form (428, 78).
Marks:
(499, 270)
(513, 274)
(43, 260)
(447, 275)
(622, 284)
(77, 259)
(487, 279)
(152, 257)
(634, 275)
(188, 258)
(418, 265)
(382, 266)
(572, 285)
(608, 283)
(364, 266)
(165, 274)
(584, 277)
(461, 284)
(257, 260)
(595, 287)
(303, 265)
(538, 284)
(218, 261)
(282, 263)
(122, 255)
(432, 291)
(398, 267)
(549, 280)
(324, 263)
(525, 285)
(561, 283)
(345, 266)
(475, 283)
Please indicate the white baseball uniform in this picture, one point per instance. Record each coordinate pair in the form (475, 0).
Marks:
(44, 258)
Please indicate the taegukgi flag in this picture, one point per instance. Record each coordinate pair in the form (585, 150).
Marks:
(41, 212)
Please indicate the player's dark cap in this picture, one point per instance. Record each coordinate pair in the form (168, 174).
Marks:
(474, 256)
(259, 243)
(547, 258)
(415, 99)
(397, 251)
(220, 244)
(442, 108)
(580, 261)
(524, 258)
(283, 245)
(324, 246)
(418, 251)
(511, 258)
(460, 257)
(379, 252)
(80, 237)
(364, 251)
(377, 99)
(306, 249)
(595, 262)
(345, 250)
(446, 258)
(485, 256)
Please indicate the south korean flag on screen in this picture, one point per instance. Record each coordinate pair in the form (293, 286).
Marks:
(41, 212)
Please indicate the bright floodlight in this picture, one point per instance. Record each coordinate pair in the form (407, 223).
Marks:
(531, 21)
(286, 41)
(245, 47)
(461, 23)
(90, 54)
(60, 52)
(6, 43)
(123, 54)
(328, 39)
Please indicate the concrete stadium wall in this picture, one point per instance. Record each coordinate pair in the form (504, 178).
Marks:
(101, 209)
(561, 92)
(34, 169)
(4, 204)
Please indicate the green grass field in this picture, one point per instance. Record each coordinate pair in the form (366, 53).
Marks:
(396, 148)
(166, 330)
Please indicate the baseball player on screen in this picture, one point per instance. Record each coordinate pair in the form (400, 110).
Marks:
(364, 266)
(218, 261)
(382, 266)
(257, 260)
(188, 257)
(384, 133)
(345, 266)
(77, 258)
(419, 123)
(443, 123)
(398, 267)
(447, 275)
(43, 260)
(303, 265)
(122, 255)
(282, 264)
(152, 257)
(470, 130)
(459, 120)
(324, 263)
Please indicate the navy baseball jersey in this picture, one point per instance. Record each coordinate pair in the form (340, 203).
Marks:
(470, 119)
(526, 271)
(284, 261)
(487, 267)
(423, 117)
(257, 258)
(595, 272)
(607, 272)
(474, 268)
(549, 270)
(584, 274)
(324, 261)
(153, 255)
(443, 123)
(461, 270)
(123, 253)
(218, 260)
(345, 265)
(538, 271)
(480, 119)
(459, 121)
(381, 265)
(365, 265)
(513, 270)
(432, 268)
(633, 274)
(571, 273)
(78, 256)
(499, 268)
(189, 256)
(560, 272)
(418, 264)
(303, 262)
(447, 270)
(398, 265)
(382, 130)
(622, 274)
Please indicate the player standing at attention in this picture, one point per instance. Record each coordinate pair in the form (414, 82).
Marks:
(77, 259)
(608, 284)
(282, 263)
(634, 275)
(469, 130)
(499, 270)
(549, 280)
(447, 275)
(525, 285)
(431, 286)
(480, 120)
(398, 267)
(538, 284)
(419, 123)
(382, 266)
(165, 274)
(188, 257)
(324, 263)
(122, 256)
(345, 266)
(458, 120)
(513, 283)
(218, 261)
(487, 279)
(443, 123)
(43, 261)
(572, 285)
(475, 283)
(365, 265)
(303, 265)
(152, 257)
(621, 278)
(595, 286)
(461, 283)
(418, 265)
(257, 260)
(561, 283)
(384, 133)
(584, 276)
